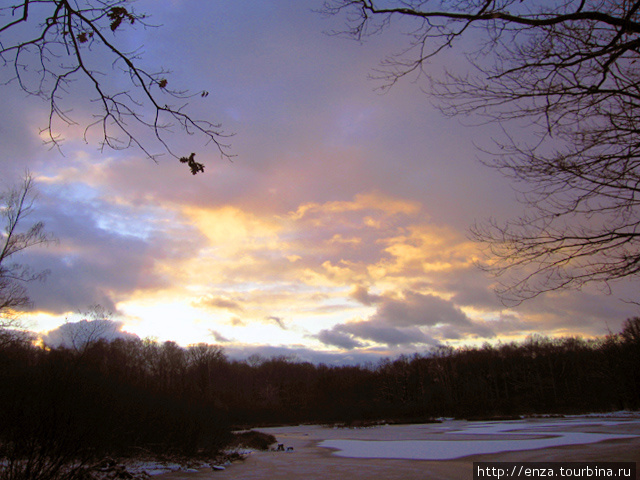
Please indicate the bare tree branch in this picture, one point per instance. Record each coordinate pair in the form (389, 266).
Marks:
(52, 44)
(15, 205)
(561, 78)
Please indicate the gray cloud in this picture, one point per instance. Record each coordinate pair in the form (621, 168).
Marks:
(77, 335)
(103, 252)
(470, 287)
(362, 295)
(278, 321)
(389, 335)
(218, 337)
(589, 311)
(419, 309)
(305, 354)
(335, 337)
(413, 321)
(352, 335)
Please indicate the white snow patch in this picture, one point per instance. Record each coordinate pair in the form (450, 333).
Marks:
(517, 435)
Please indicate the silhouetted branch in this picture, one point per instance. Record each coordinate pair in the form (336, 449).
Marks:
(15, 205)
(54, 43)
(561, 79)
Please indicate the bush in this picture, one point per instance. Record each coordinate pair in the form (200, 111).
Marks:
(253, 439)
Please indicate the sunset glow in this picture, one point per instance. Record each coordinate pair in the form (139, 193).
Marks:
(340, 225)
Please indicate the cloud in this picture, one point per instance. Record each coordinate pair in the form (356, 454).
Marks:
(589, 312)
(369, 202)
(219, 302)
(416, 309)
(106, 249)
(233, 248)
(218, 337)
(237, 322)
(335, 337)
(77, 335)
(352, 335)
(412, 320)
(362, 295)
(388, 335)
(278, 321)
(299, 353)
(426, 249)
(228, 258)
(339, 213)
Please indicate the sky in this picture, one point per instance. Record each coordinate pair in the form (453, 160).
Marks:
(339, 229)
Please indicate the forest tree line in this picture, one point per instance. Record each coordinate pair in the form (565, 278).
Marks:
(128, 396)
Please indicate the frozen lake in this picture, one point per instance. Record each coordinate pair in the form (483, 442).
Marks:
(437, 451)
(456, 439)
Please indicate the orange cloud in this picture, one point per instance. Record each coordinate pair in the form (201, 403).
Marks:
(303, 267)
(361, 202)
(232, 229)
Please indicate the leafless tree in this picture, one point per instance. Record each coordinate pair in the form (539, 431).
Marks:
(15, 205)
(561, 77)
(54, 48)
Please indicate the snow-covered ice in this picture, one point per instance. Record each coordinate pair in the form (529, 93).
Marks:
(482, 438)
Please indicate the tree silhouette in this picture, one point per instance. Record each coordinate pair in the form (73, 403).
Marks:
(47, 45)
(561, 79)
(15, 205)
